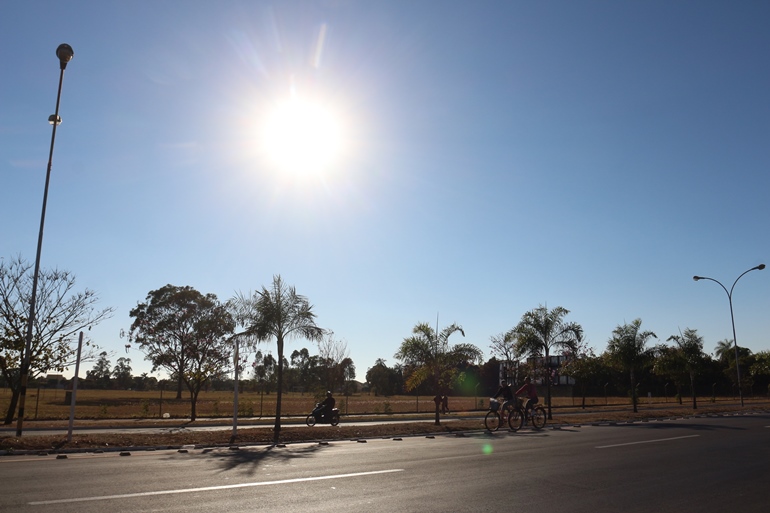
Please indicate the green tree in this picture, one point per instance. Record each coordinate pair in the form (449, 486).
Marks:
(760, 367)
(670, 364)
(429, 358)
(306, 368)
(122, 373)
(384, 380)
(582, 366)
(689, 346)
(278, 313)
(264, 370)
(627, 350)
(209, 353)
(725, 353)
(540, 331)
(101, 372)
(186, 333)
(60, 314)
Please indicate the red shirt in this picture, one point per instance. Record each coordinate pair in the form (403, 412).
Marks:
(529, 389)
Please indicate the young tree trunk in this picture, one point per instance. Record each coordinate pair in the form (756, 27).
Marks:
(633, 391)
(279, 392)
(437, 403)
(193, 402)
(692, 388)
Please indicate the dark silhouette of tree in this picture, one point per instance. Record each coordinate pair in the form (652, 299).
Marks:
(429, 358)
(540, 331)
(627, 350)
(122, 373)
(186, 333)
(278, 313)
(60, 314)
(101, 372)
(689, 348)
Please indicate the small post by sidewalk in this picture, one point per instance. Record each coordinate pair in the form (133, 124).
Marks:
(74, 389)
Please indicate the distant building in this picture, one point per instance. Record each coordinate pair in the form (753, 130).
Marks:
(551, 368)
(514, 372)
(55, 381)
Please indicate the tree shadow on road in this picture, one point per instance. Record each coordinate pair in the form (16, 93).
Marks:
(249, 460)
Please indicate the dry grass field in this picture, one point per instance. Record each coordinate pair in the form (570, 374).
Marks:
(127, 408)
(49, 404)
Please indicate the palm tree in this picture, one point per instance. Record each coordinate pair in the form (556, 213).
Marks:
(724, 350)
(690, 349)
(281, 313)
(627, 350)
(429, 357)
(541, 330)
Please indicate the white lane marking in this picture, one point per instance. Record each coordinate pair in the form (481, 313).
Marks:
(646, 441)
(212, 488)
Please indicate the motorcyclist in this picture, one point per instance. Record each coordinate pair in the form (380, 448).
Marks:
(327, 405)
(506, 393)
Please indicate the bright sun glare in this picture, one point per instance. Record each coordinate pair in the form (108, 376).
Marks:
(302, 138)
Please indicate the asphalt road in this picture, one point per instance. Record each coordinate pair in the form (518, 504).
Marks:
(687, 465)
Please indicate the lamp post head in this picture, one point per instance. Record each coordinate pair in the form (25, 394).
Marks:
(65, 53)
(696, 278)
(760, 267)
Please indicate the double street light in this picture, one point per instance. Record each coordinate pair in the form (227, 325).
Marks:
(65, 53)
(732, 317)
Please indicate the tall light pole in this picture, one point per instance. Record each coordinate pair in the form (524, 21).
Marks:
(65, 53)
(732, 317)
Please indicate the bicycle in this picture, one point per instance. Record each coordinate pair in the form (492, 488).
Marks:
(496, 416)
(519, 416)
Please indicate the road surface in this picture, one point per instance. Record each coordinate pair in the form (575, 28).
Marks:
(688, 465)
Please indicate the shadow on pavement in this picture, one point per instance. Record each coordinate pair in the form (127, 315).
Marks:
(249, 460)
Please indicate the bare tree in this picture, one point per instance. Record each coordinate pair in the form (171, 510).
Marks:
(60, 313)
(335, 356)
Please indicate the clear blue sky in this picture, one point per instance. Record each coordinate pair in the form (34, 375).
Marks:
(498, 156)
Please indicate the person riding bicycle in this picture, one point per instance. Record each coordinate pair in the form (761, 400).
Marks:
(327, 405)
(530, 390)
(507, 394)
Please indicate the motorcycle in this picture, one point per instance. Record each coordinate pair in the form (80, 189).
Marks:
(317, 416)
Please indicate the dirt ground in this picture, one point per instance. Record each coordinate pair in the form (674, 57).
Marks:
(177, 436)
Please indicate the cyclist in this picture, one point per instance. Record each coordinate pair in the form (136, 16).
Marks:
(506, 392)
(528, 389)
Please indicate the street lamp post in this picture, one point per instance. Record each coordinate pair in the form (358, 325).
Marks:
(65, 53)
(732, 318)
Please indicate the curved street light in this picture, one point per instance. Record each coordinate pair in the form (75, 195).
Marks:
(65, 53)
(732, 317)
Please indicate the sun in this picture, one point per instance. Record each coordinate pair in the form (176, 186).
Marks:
(302, 137)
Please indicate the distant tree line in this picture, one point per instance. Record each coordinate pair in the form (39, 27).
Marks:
(194, 338)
